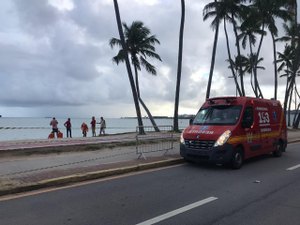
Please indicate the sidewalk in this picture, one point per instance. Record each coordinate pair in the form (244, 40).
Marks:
(33, 164)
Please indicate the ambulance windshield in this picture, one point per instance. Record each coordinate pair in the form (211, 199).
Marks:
(218, 115)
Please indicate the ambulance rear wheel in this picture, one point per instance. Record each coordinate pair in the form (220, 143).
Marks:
(237, 159)
(279, 149)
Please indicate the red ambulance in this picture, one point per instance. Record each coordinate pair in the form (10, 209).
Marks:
(228, 130)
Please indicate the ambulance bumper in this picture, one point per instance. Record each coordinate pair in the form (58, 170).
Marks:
(218, 155)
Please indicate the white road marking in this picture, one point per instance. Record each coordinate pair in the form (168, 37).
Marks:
(177, 211)
(294, 167)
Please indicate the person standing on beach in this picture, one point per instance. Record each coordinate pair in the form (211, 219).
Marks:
(54, 124)
(84, 129)
(93, 126)
(102, 126)
(68, 127)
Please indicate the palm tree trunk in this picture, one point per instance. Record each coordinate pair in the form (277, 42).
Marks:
(130, 76)
(149, 115)
(179, 66)
(297, 116)
(254, 86)
(237, 43)
(290, 84)
(289, 111)
(142, 102)
(252, 83)
(256, 60)
(230, 61)
(213, 59)
(275, 67)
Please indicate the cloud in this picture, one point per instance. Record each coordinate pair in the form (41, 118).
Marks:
(55, 58)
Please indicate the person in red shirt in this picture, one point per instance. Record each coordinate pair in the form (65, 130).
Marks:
(68, 127)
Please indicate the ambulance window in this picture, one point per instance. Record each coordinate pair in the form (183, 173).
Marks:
(248, 117)
(218, 115)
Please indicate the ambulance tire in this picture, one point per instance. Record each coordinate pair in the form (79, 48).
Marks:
(237, 159)
(279, 149)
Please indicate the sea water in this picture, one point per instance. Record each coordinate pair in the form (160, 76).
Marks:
(18, 128)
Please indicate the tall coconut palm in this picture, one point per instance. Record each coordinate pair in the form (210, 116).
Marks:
(236, 10)
(223, 10)
(285, 60)
(249, 30)
(140, 46)
(179, 66)
(266, 12)
(249, 67)
(235, 68)
(130, 76)
(289, 60)
(207, 13)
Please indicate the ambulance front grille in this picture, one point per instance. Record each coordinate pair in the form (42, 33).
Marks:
(196, 144)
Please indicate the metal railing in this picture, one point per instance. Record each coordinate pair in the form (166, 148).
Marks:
(152, 141)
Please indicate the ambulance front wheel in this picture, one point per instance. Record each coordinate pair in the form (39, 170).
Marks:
(237, 159)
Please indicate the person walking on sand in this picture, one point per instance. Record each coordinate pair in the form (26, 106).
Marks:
(102, 126)
(93, 126)
(54, 124)
(84, 128)
(68, 127)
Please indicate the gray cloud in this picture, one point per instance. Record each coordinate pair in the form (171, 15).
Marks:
(58, 62)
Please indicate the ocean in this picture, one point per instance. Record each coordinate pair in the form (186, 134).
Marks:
(19, 128)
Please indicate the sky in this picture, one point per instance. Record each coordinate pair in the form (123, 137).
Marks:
(55, 59)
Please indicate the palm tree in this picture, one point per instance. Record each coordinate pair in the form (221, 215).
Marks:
(234, 66)
(207, 13)
(224, 10)
(289, 60)
(236, 10)
(249, 30)
(130, 76)
(266, 12)
(140, 45)
(249, 67)
(179, 65)
(285, 60)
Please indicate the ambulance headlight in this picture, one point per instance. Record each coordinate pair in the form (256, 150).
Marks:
(223, 138)
(182, 139)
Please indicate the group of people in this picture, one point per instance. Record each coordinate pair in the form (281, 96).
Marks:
(84, 127)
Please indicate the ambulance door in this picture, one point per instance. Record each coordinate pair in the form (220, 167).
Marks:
(252, 142)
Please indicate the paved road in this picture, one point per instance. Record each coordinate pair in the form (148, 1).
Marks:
(22, 170)
(265, 192)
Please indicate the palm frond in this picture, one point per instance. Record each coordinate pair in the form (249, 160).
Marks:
(120, 57)
(115, 42)
(149, 67)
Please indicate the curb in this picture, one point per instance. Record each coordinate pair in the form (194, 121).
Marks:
(61, 181)
(293, 141)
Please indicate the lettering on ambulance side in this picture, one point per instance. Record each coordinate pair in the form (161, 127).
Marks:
(264, 119)
(202, 130)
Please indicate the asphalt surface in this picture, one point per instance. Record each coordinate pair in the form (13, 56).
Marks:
(264, 192)
(33, 164)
